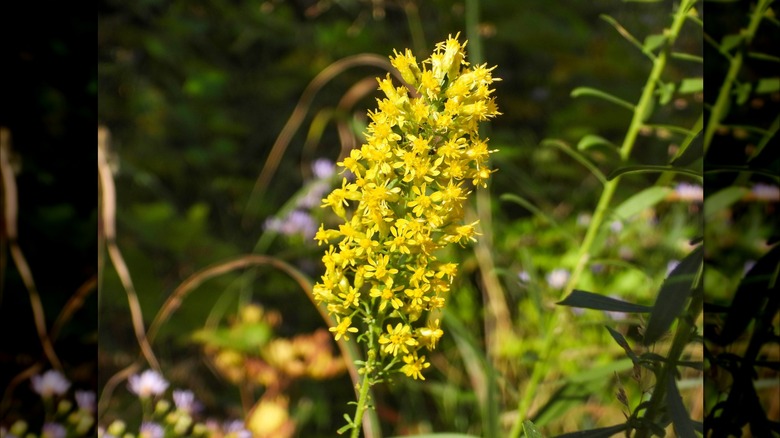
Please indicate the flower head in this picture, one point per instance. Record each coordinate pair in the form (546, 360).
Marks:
(422, 157)
(147, 384)
(49, 384)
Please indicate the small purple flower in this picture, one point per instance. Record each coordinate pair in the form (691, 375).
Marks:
(151, 430)
(53, 430)
(51, 383)
(149, 383)
(236, 428)
(583, 219)
(616, 226)
(86, 400)
(523, 277)
(557, 278)
(323, 168)
(185, 401)
(689, 192)
(300, 222)
(766, 192)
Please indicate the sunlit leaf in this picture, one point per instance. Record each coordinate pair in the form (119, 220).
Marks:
(742, 91)
(691, 85)
(673, 295)
(653, 42)
(641, 201)
(731, 41)
(530, 430)
(603, 371)
(590, 300)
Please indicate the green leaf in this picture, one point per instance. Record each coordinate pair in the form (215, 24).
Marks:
(588, 91)
(691, 85)
(681, 157)
(683, 425)
(653, 42)
(673, 295)
(651, 169)
(530, 430)
(624, 33)
(730, 41)
(768, 85)
(665, 93)
(641, 201)
(621, 341)
(742, 91)
(577, 156)
(590, 141)
(751, 294)
(687, 57)
(722, 200)
(764, 56)
(590, 300)
(602, 432)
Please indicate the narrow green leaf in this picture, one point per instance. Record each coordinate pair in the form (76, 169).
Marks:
(590, 300)
(602, 432)
(653, 42)
(681, 158)
(752, 292)
(722, 200)
(602, 372)
(624, 33)
(530, 430)
(621, 341)
(641, 201)
(528, 205)
(769, 173)
(651, 169)
(765, 138)
(577, 156)
(680, 418)
(590, 141)
(687, 57)
(673, 295)
(768, 85)
(764, 56)
(588, 91)
(691, 85)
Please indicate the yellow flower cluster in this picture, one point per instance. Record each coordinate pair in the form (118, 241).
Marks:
(422, 155)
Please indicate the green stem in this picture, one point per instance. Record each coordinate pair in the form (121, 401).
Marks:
(558, 319)
(362, 402)
(719, 109)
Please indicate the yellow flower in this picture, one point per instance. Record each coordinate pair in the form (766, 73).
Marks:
(414, 366)
(431, 334)
(397, 338)
(343, 328)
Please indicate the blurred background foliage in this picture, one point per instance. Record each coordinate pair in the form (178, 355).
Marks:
(195, 95)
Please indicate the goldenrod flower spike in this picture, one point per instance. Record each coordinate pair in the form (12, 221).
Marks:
(402, 199)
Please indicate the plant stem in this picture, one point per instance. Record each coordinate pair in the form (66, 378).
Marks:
(362, 402)
(641, 113)
(720, 108)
